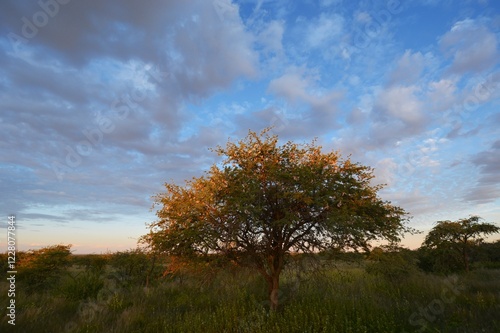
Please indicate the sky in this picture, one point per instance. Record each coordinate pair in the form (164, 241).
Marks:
(102, 102)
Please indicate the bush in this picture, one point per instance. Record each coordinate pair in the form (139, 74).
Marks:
(92, 262)
(443, 261)
(43, 268)
(394, 265)
(132, 266)
(83, 286)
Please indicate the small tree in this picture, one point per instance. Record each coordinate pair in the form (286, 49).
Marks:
(44, 267)
(394, 263)
(459, 237)
(134, 265)
(265, 201)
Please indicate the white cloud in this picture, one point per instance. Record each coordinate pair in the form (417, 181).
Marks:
(400, 102)
(299, 90)
(487, 187)
(293, 86)
(81, 66)
(480, 90)
(345, 74)
(442, 94)
(408, 69)
(321, 32)
(385, 171)
(471, 45)
(271, 37)
(297, 87)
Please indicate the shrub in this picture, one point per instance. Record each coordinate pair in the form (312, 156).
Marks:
(83, 286)
(92, 262)
(44, 267)
(443, 261)
(394, 265)
(133, 266)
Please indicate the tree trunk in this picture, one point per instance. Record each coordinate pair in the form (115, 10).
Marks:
(274, 288)
(151, 270)
(465, 254)
(466, 260)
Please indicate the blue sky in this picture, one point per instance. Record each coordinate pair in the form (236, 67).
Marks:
(103, 102)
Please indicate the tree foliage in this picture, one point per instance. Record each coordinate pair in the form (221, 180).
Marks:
(488, 254)
(455, 239)
(393, 263)
(267, 200)
(43, 267)
(134, 265)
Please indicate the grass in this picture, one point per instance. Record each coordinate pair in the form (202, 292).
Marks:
(342, 299)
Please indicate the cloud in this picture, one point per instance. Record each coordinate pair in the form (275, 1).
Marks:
(442, 94)
(408, 68)
(197, 47)
(400, 102)
(203, 46)
(35, 216)
(293, 86)
(487, 188)
(121, 96)
(458, 131)
(385, 171)
(302, 90)
(106, 86)
(271, 37)
(356, 116)
(471, 45)
(397, 113)
(323, 30)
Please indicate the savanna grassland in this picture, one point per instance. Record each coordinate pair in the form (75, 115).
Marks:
(128, 292)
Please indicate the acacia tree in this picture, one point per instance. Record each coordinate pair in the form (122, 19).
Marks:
(265, 201)
(459, 236)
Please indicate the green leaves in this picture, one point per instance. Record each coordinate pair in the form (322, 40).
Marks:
(43, 267)
(269, 200)
(458, 237)
(461, 231)
(268, 197)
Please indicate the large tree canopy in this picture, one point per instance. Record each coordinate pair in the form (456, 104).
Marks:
(267, 200)
(458, 237)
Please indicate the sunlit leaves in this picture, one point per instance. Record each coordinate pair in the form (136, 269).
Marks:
(267, 200)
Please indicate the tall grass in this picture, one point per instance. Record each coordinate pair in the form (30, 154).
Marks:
(345, 299)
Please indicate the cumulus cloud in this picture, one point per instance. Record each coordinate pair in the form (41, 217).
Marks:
(102, 88)
(471, 46)
(271, 37)
(324, 29)
(442, 94)
(397, 113)
(487, 188)
(299, 89)
(105, 101)
(401, 103)
(408, 68)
